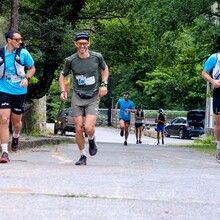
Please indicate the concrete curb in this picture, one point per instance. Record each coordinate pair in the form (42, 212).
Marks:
(32, 142)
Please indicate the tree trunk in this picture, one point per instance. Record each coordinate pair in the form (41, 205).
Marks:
(14, 14)
(34, 118)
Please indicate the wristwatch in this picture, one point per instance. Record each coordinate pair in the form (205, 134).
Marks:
(104, 84)
(28, 78)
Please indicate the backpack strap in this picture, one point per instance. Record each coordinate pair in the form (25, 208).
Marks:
(218, 57)
(17, 55)
(2, 56)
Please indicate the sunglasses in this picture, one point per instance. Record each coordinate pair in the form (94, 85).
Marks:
(17, 39)
(79, 44)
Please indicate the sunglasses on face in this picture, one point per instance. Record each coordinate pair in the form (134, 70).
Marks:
(17, 39)
(79, 44)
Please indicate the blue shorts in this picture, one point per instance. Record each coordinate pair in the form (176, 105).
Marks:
(160, 128)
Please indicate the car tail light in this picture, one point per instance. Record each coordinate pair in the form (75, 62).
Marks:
(66, 120)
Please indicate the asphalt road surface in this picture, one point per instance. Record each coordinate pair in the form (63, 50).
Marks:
(138, 181)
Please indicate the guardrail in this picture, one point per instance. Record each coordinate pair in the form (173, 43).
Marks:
(147, 123)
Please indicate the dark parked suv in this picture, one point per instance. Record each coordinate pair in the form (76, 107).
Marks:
(64, 122)
(187, 127)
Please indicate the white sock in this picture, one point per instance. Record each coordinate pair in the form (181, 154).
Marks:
(4, 148)
(91, 138)
(15, 135)
(83, 152)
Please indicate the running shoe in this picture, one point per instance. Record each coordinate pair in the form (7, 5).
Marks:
(122, 133)
(4, 158)
(140, 141)
(14, 144)
(92, 147)
(125, 143)
(82, 160)
(217, 154)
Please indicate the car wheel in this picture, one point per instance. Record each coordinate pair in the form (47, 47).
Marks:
(181, 135)
(55, 129)
(167, 134)
(63, 131)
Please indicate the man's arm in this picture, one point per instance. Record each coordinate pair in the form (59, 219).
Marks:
(103, 89)
(105, 74)
(63, 94)
(165, 119)
(31, 71)
(206, 76)
(132, 108)
(116, 108)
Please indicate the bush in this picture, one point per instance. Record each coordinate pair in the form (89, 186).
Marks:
(151, 114)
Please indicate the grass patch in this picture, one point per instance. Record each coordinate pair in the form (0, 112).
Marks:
(206, 145)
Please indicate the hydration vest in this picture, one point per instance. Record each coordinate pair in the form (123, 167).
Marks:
(19, 68)
(161, 117)
(216, 69)
(139, 114)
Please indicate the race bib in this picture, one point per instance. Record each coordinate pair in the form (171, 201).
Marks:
(90, 80)
(82, 80)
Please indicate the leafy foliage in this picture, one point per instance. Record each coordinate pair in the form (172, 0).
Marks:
(162, 40)
(155, 49)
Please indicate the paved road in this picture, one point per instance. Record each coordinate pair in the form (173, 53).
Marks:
(110, 134)
(138, 181)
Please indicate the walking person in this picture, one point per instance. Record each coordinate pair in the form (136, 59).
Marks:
(139, 120)
(126, 106)
(87, 90)
(210, 73)
(161, 122)
(13, 89)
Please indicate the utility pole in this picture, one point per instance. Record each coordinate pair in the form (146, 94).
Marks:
(209, 121)
(110, 101)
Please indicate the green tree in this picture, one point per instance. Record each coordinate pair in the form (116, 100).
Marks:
(159, 51)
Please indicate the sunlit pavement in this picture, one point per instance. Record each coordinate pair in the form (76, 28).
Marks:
(112, 135)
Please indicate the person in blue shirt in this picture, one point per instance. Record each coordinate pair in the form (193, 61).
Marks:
(211, 73)
(13, 89)
(126, 106)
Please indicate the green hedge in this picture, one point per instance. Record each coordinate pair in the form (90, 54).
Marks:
(150, 114)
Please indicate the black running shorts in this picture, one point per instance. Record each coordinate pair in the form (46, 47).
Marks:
(216, 101)
(14, 102)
